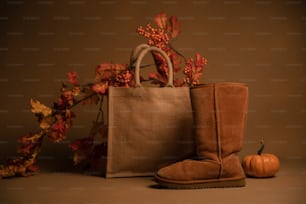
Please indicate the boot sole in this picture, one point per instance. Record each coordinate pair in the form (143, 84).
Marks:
(199, 184)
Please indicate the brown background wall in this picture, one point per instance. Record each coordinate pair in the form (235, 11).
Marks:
(260, 42)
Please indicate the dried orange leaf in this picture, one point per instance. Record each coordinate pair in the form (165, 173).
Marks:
(174, 27)
(39, 108)
(161, 20)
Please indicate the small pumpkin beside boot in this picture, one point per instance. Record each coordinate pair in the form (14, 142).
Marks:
(219, 118)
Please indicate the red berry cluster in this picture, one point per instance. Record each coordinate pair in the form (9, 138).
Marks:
(156, 36)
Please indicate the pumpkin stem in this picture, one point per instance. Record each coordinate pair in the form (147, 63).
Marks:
(261, 147)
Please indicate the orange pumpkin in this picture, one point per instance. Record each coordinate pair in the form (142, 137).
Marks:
(261, 165)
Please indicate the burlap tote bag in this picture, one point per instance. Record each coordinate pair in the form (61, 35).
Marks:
(147, 126)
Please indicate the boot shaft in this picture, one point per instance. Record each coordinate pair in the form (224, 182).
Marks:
(231, 101)
(205, 134)
(219, 116)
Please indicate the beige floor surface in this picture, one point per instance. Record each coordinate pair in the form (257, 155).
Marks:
(288, 187)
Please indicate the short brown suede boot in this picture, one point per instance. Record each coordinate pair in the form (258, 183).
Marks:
(219, 116)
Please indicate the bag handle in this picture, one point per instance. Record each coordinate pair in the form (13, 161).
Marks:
(136, 52)
(143, 52)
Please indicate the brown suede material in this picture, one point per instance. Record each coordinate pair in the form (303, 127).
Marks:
(232, 167)
(219, 116)
(202, 100)
(231, 101)
(189, 169)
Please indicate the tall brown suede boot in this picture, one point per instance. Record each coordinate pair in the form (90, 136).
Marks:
(219, 116)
